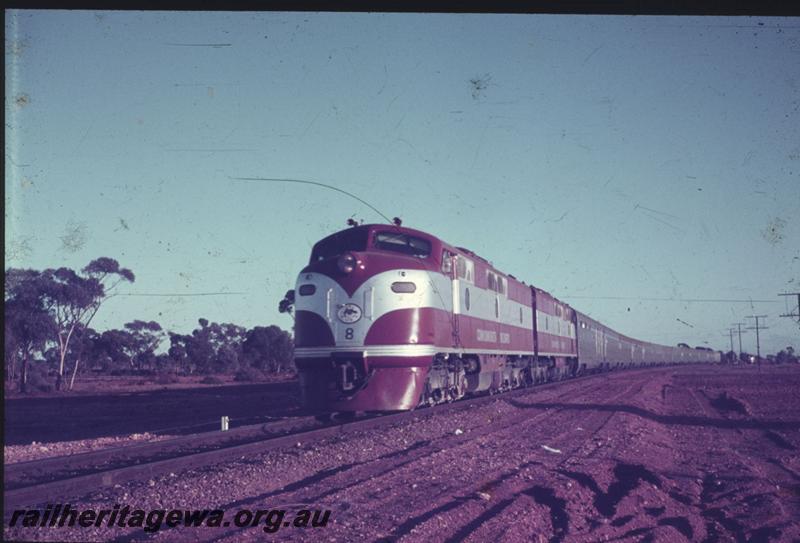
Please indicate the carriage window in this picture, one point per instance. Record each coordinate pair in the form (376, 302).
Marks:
(466, 298)
(403, 243)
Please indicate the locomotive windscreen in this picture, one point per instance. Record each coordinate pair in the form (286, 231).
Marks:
(403, 243)
(341, 242)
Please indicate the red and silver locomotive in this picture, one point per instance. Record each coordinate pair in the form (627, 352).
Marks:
(389, 318)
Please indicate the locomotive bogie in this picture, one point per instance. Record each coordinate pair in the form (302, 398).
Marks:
(446, 381)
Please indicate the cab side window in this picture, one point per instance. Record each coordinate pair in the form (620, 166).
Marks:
(447, 262)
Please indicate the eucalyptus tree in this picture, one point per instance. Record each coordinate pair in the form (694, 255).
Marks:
(268, 348)
(74, 299)
(28, 325)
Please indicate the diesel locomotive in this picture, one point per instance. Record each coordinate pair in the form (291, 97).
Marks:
(389, 318)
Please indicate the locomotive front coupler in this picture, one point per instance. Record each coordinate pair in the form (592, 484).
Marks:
(351, 373)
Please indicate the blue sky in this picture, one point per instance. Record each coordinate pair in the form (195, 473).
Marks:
(593, 156)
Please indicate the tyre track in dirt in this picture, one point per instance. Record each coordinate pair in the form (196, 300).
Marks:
(510, 518)
(729, 479)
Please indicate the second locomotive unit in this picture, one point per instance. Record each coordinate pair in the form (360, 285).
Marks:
(389, 318)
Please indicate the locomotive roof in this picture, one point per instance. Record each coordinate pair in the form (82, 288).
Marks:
(391, 227)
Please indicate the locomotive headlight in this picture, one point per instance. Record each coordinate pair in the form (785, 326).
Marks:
(346, 263)
(404, 287)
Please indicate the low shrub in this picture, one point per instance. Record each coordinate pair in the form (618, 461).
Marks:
(166, 378)
(248, 374)
(38, 380)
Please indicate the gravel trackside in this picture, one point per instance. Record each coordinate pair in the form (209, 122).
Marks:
(36, 451)
(661, 455)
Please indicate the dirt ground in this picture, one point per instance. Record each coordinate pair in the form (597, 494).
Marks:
(110, 406)
(662, 455)
(92, 385)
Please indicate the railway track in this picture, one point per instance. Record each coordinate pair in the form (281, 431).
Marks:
(38, 482)
(29, 473)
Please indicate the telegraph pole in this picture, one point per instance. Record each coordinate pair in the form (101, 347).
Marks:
(730, 333)
(758, 343)
(792, 315)
(739, 325)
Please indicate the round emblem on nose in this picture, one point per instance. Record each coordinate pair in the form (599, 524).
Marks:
(349, 313)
